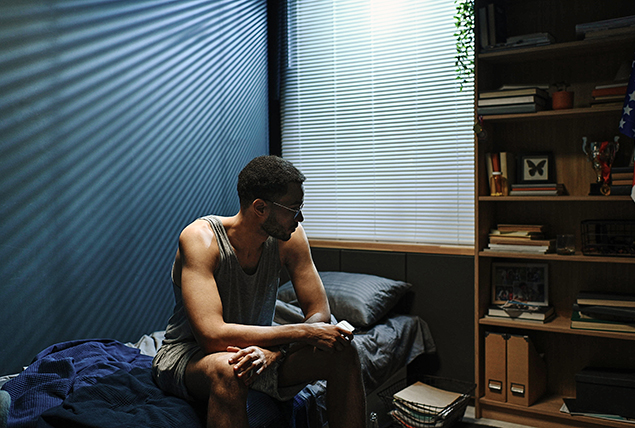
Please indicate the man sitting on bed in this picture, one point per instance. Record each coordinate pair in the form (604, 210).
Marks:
(220, 340)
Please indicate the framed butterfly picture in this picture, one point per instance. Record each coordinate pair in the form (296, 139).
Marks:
(536, 168)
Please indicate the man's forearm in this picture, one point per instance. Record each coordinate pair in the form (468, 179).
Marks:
(249, 335)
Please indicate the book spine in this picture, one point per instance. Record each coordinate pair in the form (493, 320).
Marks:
(510, 109)
(621, 90)
(511, 100)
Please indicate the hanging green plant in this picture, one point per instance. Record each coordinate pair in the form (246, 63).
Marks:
(464, 21)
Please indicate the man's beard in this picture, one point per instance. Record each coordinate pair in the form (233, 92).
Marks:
(273, 228)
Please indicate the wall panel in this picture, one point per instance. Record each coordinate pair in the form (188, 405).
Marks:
(120, 122)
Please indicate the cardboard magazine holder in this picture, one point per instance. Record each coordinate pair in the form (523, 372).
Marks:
(496, 366)
(526, 371)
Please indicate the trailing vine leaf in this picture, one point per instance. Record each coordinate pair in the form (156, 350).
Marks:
(464, 22)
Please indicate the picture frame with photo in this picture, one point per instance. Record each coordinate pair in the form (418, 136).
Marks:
(536, 168)
(521, 282)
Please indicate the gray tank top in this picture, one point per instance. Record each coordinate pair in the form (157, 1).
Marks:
(247, 299)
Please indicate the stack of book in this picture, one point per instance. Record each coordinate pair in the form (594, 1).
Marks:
(519, 311)
(525, 238)
(506, 101)
(544, 189)
(613, 93)
(604, 312)
(621, 180)
(422, 405)
(607, 28)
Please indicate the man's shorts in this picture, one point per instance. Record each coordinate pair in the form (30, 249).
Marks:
(170, 363)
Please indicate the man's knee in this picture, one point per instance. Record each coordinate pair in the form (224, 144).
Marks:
(345, 360)
(349, 355)
(213, 374)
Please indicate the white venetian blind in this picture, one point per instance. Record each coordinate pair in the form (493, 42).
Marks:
(373, 115)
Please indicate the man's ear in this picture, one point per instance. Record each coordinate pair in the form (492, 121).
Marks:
(259, 207)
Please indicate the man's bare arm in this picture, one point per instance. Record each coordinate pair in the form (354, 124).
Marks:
(296, 256)
(198, 256)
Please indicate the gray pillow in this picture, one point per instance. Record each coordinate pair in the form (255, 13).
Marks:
(357, 298)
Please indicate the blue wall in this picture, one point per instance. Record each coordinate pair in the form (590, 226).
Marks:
(120, 122)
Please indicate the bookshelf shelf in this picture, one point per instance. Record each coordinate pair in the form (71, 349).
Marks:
(560, 50)
(545, 412)
(555, 199)
(582, 64)
(573, 113)
(561, 259)
(560, 324)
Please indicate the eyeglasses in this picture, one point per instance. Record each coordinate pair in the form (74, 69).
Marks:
(296, 211)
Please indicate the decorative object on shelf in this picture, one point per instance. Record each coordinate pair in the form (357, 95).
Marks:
(479, 129)
(500, 167)
(464, 22)
(608, 238)
(536, 168)
(562, 99)
(601, 155)
(522, 282)
(565, 245)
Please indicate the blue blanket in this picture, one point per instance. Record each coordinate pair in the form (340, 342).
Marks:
(104, 383)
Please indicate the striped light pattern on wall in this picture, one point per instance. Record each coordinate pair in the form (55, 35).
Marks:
(373, 114)
(120, 122)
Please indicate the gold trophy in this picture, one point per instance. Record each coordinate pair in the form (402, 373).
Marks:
(601, 155)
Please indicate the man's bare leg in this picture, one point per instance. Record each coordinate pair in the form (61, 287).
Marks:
(345, 396)
(212, 378)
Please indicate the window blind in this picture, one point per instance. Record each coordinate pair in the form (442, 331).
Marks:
(373, 115)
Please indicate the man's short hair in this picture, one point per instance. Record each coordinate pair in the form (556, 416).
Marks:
(266, 177)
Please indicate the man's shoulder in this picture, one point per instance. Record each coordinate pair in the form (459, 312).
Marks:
(197, 231)
(295, 247)
(204, 223)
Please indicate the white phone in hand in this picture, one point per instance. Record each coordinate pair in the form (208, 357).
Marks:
(346, 325)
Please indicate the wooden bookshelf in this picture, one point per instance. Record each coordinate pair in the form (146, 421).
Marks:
(583, 64)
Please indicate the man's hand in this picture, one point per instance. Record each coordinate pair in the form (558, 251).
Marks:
(328, 337)
(250, 362)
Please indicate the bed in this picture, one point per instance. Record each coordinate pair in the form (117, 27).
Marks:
(106, 383)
